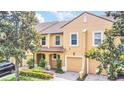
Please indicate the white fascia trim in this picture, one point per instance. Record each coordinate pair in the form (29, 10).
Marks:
(70, 39)
(66, 56)
(102, 37)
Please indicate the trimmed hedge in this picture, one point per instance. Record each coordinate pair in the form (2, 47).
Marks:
(41, 75)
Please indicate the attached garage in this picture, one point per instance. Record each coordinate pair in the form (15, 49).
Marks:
(74, 64)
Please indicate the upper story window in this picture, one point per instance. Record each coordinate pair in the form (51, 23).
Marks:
(44, 40)
(73, 39)
(97, 38)
(57, 40)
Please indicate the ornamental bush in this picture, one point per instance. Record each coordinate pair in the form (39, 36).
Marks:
(59, 66)
(30, 63)
(42, 63)
(30, 73)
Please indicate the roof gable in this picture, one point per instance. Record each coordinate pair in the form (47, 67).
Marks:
(105, 18)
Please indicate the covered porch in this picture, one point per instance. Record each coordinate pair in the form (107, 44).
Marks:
(50, 58)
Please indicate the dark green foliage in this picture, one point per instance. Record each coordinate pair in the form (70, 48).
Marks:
(59, 66)
(2, 58)
(18, 35)
(30, 63)
(42, 63)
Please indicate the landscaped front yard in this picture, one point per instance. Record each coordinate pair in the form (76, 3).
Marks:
(35, 74)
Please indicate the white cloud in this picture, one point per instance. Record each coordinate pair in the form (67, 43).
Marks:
(40, 18)
(64, 15)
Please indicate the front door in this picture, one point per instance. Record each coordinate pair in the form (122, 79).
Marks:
(53, 62)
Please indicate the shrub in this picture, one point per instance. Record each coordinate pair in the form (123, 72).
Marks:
(40, 69)
(59, 66)
(30, 73)
(42, 62)
(83, 78)
(30, 63)
(37, 69)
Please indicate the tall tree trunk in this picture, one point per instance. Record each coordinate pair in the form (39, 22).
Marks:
(33, 59)
(17, 70)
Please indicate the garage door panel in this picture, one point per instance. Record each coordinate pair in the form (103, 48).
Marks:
(74, 64)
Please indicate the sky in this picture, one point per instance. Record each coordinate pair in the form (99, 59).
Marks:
(47, 16)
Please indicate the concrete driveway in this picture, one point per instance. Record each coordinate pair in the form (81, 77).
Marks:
(67, 76)
(93, 77)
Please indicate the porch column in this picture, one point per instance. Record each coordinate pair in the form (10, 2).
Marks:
(47, 58)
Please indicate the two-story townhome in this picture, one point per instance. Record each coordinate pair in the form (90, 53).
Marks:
(69, 40)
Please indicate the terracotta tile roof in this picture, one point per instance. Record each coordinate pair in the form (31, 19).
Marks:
(54, 49)
(41, 26)
(50, 27)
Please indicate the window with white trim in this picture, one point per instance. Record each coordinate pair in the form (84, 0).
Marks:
(74, 39)
(57, 40)
(44, 40)
(97, 38)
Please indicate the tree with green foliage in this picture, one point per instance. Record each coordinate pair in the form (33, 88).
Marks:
(18, 35)
(109, 53)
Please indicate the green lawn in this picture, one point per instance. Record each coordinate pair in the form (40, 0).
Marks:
(22, 78)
